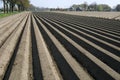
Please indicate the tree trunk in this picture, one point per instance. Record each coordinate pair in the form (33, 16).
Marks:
(4, 5)
(7, 8)
(18, 8)
(12, 7)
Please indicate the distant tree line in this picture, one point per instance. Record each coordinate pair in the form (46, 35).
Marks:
(8, 5)
(35, 8)
(118, 7)
(58, 9)
(93, 7)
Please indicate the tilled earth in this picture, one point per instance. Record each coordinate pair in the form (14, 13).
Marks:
(56, 46)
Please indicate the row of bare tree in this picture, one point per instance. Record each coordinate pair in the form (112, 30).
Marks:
(8, 5)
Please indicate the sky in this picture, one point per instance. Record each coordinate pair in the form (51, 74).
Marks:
(68, 3)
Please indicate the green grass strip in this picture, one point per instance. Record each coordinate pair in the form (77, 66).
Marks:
(2, 15)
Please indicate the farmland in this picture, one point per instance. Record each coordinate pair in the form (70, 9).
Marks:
(57, 46)
(108, 15)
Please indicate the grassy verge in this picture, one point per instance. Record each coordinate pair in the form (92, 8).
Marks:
(2, 15)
